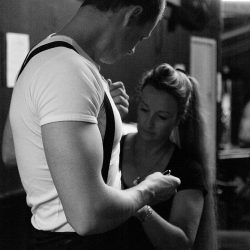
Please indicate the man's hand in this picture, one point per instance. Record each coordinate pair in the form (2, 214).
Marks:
(120, 97)
(163, 186)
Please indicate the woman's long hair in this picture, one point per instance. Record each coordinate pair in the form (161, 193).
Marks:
(192, 136)
(194, 140)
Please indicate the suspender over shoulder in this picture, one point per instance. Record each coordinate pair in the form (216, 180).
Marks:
(110, 123)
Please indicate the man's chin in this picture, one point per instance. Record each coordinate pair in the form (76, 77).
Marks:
(110, 60)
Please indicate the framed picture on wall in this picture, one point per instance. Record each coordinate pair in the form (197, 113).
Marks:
(2, 60)
(17, 47)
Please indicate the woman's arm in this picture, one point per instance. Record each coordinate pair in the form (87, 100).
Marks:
(74, 153)
(8, 150)
(180, 231)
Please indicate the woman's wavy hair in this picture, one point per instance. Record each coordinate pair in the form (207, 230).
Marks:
(174, 82)
(192, 133)
(151, 8)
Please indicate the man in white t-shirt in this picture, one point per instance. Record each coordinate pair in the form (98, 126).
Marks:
(58, 123)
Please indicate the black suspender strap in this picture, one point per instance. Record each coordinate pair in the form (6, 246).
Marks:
(43, 48)
(110, 122)
(108, 137)
(122, 142)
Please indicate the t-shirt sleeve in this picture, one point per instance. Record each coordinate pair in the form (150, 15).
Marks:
(68, 91)
(192, 177)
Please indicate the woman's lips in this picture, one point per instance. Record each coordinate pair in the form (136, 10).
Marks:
(150, 132)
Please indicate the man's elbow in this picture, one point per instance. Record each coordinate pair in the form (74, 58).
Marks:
(95, 220)
(81, 229)
(86, 223)
(87, 227)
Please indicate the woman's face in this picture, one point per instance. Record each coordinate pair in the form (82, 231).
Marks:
(157, 114)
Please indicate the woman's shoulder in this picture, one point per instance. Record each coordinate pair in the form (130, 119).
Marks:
(126, 143)
(185, 166)
(189, 170)
(127, 140)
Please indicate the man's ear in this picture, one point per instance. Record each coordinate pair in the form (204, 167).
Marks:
(132, 15)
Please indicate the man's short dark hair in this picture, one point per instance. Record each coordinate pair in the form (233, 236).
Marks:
(151, 8)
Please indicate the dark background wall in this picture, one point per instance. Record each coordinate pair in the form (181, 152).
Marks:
(39, 18)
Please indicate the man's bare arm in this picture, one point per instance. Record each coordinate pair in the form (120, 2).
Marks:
(74, 154)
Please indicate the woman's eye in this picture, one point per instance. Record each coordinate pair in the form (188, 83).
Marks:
(144, 109)
(163, 117)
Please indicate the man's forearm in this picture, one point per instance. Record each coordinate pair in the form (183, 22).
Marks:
(114, 206)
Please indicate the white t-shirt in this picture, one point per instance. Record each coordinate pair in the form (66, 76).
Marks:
(56, 85)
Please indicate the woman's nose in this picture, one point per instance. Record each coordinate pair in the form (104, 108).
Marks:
(150, 121)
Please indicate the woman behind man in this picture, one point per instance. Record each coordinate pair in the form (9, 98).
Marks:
(171, 137)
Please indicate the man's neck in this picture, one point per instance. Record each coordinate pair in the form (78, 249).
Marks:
(88, 29)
